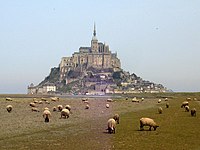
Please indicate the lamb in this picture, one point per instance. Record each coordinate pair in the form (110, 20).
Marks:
(46, 115)
(64, 113)
(167, 105)
(9, 108)
(107, 105)
(109, 100)
(111, 125)
(148, 122)
(160, 110)
(193, 112)
(35, 109)
(116, 117)
(187, 108)
(32, 104)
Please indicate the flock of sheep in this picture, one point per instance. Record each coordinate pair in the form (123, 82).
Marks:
(111, 123)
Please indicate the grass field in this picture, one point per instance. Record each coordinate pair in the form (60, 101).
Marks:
(85, 129)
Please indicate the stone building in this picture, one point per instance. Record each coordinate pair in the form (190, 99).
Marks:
(98, 56)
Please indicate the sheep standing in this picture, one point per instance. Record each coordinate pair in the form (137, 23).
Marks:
(193, 112)
(107, 105)
(167, 105)
(109, 100)
(60, 107)
(9, 108)
(185, 103)
(187, 108)
(64, 113)
(68, 107)
(46, 115)
(148, 122)
(54, 108)
(87, 106)
(32, 104)
(159, 101)
(8, 99)
(111, 125)
(35, 109)
(116, 117)
(160, 110)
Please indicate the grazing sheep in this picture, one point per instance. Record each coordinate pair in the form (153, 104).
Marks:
(47, 102)
(35, 101)
(188, 99)
(87, 106)
(35, 109)
(8, 99)
(68, 107)
(167, 105)
(32, 104)
(43, 99)
(147, 122)
(160, 110)
(111, 125)
(64, 113)
(84, 99)
(193, 112)
(187, 108)
(86, 102)
(54, 108)
(185, 103)
(159, 101)
(60, 107)
(116, 117)
(166, 99)
(9, 108)
(40, 102)
(46, 115)
(142, 99)
(46, 108)
(54, 99)
(109, 100)
(135, 100)
(107, 105)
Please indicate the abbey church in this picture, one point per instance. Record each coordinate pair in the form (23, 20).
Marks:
(97, 55)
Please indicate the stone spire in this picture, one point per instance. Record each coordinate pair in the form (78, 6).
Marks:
(94, 33)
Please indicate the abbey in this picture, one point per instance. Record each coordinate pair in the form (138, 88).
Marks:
(97, 55)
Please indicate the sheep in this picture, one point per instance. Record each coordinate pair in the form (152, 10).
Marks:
(109, 100)
(107, 105)
(167, 105)
(8, 99)
(148, 122)
(187, 108)
(64, 113)
(43, 99)
(46, 108)
(116, 117)
(68, 107)
(35, 109)
(9, 108)
(40, 102)
(54, 99)
(54, 108)
(185, 103)
(142, 99)
(87, 106)
(126, 98)
(188, 99)
(135, 100)
(111, 125)
(193, 112)
(84, 99)
(46, 115)
(166, 99)
(60, 107)
(86, 102)
(160, 110)
(47, 102)
(159, 101)
(35, 101)
(32, 104)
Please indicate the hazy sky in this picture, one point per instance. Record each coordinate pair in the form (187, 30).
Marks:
(158, 40)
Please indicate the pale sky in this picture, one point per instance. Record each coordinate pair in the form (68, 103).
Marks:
(158, 40)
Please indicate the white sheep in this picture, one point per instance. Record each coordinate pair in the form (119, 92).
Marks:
(54, 108)
(8, 99)
(46, 108)
(167, 105)
(111, 125)
(185, 103)
(32, 104)
(187, 108)
(147, 122)
(160, 110)
(159, 101)
(65, 113)
(60, 107)
(166, 99)
(107, 105)
(116, 117)
(193, 112)
(87, 106)
(135, 100)
(68, 107)
(46, 115)
(54, 99)
(109, 100)
(9, 108)
(35, 109)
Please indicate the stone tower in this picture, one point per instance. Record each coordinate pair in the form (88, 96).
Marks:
(94, 42)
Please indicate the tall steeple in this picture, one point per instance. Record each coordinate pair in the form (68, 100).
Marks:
(94, 33)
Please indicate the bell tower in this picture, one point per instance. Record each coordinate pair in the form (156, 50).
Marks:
(94, 41)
